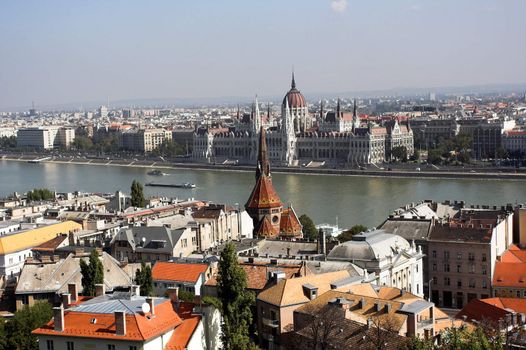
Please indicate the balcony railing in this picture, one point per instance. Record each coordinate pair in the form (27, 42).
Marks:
(270, 323)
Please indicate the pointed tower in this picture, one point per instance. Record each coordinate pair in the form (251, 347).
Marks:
(269, 116)
(256, 117)
(338, 110)
(321, 111)
(264, 205)
(355, 118)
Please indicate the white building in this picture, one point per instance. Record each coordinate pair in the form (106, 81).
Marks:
(390, 258)
(45, 137)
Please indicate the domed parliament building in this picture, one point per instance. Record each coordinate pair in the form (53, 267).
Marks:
(337, 137)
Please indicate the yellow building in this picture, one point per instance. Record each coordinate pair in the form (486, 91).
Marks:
(16, 247)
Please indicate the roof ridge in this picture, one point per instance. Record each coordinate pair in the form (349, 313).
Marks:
(58, 266)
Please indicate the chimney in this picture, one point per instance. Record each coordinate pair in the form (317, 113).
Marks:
(150, 302)
(66, 300)
(100, 289)
(135, 290)
(72, 289)
(58, 318)
(173, 294)
(369, 323)
(362, 303)
(120, 322)
(387, 308)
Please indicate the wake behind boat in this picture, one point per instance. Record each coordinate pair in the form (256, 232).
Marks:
(183, 185)
(156, 173)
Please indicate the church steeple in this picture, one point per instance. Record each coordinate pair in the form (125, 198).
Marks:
(338, 115)
(263, 167)
(293, 84)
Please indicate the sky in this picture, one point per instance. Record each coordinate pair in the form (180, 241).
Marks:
(69, 51)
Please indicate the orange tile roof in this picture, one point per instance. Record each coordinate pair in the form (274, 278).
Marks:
(263, 195)
(138, 326)
(266, 229)
(509, 274)
(290, 224)
(183, 333)
(170, 271)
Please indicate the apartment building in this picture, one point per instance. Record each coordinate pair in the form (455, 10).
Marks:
(45, 137)
(144, 140)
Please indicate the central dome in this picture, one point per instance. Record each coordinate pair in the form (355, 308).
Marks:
(294, 97)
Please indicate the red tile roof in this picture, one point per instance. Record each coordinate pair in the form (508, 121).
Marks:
(492, 308)
(169, 271)
(138, 327)
(266, 229)
(183, 333)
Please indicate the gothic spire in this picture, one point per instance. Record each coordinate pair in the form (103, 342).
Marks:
(354, 109)
(293, 84)
(263, 167)
(321, 110)
(338, 109)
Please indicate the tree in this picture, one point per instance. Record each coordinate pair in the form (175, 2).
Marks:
(82, 143)
(347, 234)
(309, 229)
(185, 295)
(236, 301)
(18, 329)
(381, 331)
(502, 153)
(143, 277)
(323, 325)
(137, 195)
(399, 153)
(92, 273)
(40, 194)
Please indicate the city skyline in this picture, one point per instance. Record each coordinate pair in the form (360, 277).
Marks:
(71, 52)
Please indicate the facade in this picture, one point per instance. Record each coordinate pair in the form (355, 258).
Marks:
(389, 259)
(514, 141)
(462, 255)
(45, 137)
(337, 138)
(429, 131)
(144, 140)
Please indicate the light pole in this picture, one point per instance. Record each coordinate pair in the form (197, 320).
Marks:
(429, 287)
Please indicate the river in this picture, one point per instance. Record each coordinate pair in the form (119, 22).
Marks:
(349, 199)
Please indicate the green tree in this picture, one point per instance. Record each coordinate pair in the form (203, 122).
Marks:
(502, 153)
(347, 234)
(137, 195)
(83, 143)
(143, 277)
(18, 329)
(92, 273)
(185, 295)
(40, 194)
(309, 229)
(236, 301)
(399, 153)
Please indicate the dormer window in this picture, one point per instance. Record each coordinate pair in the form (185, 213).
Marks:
(310, 291)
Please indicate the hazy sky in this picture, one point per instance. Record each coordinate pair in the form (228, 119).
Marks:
(56, 52)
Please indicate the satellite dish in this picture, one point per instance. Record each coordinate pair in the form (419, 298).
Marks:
(145, 307)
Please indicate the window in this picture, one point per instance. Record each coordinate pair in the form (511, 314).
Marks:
(458, 268)
(483, 256)
(459, 255)
(471, 256)
(49, 344)
(518, 294)
(459, 283)
(434, 266)
(447, 281)
(434, 253)
(446, 255)
(133, 347)
(472, 283)
(70, 345)
(111, 347)
(484, 272)
(435, 281)
(472, 268)
(446, 267)
(484, 284)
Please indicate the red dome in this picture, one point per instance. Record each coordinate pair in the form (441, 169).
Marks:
(294, 96)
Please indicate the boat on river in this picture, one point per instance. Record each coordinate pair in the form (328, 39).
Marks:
(183, 185)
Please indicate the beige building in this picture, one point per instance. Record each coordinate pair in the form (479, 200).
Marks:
(462, 255)
(144, 140)
(45, 137)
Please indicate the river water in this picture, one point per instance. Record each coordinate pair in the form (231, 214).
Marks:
(349, 199)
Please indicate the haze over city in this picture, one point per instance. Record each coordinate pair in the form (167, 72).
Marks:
(76, 52)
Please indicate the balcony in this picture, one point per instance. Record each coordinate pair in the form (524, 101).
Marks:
(425, 323)
(270, 323)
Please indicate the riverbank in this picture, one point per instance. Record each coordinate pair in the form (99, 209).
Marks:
(403, 173)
